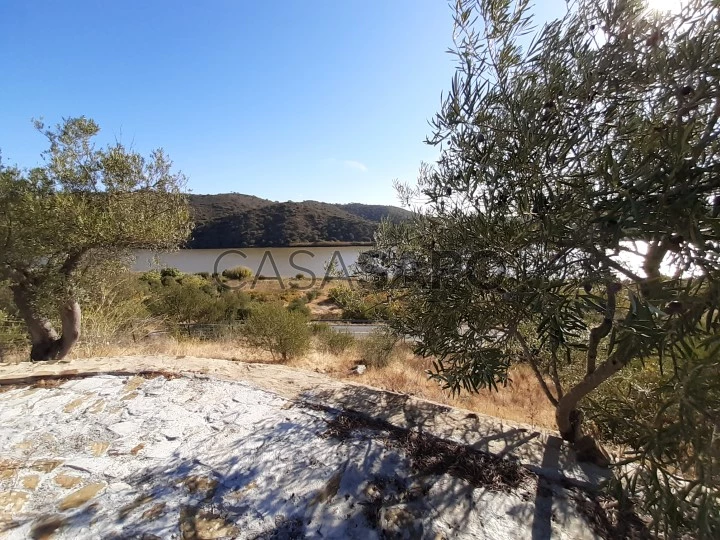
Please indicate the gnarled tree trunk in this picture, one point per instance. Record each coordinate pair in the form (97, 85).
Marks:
(46, 344)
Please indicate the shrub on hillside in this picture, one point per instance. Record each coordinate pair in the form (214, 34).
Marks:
(151, 277)
(170, 272)
(333, 341)
(378, 348)
(359, 305)
(283, 333)
(197, 301)
(239, 273)
(298, 306)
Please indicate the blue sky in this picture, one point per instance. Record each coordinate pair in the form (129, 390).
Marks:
(288, 100)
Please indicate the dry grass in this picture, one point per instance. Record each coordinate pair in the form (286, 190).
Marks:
(521, 400)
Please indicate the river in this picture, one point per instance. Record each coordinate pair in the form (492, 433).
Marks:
(264, 262)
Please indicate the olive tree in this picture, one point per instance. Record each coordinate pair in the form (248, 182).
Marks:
(573, 215)
(84, 206)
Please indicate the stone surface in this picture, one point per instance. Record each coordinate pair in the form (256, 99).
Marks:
(400, 523)
(31, 481)
(80, 497)
(67, 481)
(210, 457)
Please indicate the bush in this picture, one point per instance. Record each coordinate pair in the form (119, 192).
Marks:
(668, 422)
(378, 348)
(299, 276)
(271, 327)
(359, 306)
(151, 277)
(170, 272)
(298, 306)
(12, 333)
(204, 275)
(312, 295)
(320, 328)
(239, 273)
(334, 342)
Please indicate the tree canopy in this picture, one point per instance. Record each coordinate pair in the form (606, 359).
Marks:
(83, 206)
(571, 221)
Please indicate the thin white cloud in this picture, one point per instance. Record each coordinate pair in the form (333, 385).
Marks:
(351, 164)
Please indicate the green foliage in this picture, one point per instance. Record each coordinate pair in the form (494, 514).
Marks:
(312, 295)
(170, 272)
(239, 273)
(358, 304)
(574, 173)
(298, 306)
(84, 206)
(12, 333)
(669, 422)
(333, 341)
(151, 277)
(194, 300)
(232, 220)
(378, 348)
(285, 334)
(114, 305)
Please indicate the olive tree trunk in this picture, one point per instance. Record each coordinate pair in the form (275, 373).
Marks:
(45, 342)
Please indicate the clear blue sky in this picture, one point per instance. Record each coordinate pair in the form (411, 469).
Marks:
(288, 100)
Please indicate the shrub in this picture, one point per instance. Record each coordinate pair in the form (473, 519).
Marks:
(378, 347)
(239, 272)
(12, 333)
(320, 328)
(271, 327)
(299, 276)
(668, 422)
(151, 277)
(170, 272)
(359, 305)
(333, 341)
(204, 275)
(298, 306)
(312, 295)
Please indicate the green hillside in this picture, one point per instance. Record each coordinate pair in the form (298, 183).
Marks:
(234, 220)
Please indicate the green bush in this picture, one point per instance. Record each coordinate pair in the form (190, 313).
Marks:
(668, 421)
(204, 275)
(299, 276)
(312, 295)
(198, 301)
(151, 277)
(239, 273)
(170, 272)
(358, 305)
(333, 341)
(271, 327)
(298, 306)
(378, 348)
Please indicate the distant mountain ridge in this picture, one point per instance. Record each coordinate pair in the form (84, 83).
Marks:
(234, 220)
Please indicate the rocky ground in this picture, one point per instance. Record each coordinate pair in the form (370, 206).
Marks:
(170, 456)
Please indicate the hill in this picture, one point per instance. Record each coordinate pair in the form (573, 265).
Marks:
(232, 220)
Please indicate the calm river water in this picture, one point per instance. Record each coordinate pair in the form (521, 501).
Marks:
(268, 262)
